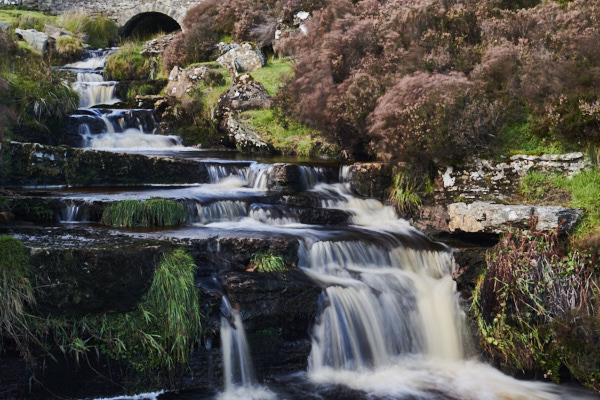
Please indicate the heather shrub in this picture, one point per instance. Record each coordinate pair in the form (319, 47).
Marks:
(417, 120)
(195, 45)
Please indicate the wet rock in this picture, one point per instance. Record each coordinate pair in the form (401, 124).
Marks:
(266, 299)
(368, 179)
(244, 94)
(239, 58)
(32, 164)
(470, 265)
(157, 45)
(184, 81)
(482, 217)
(40, 41)
(285, 178)
(81, 281)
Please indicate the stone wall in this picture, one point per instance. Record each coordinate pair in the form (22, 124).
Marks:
(120, 10)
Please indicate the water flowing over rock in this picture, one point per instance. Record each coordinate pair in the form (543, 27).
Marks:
(184, 81)
(485, 217)
(238, 58)
(40, 41)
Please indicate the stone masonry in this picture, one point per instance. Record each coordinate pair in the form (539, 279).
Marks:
(120, 10)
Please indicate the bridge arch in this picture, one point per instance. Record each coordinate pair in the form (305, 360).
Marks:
(151, 12)
(148, 23)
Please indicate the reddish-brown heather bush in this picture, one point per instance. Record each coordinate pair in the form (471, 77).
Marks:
(195, 45)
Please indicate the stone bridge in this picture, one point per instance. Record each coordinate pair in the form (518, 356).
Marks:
(132, 16)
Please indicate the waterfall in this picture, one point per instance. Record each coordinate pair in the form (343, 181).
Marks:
(237, 365)
(93, 90)
(238, 374)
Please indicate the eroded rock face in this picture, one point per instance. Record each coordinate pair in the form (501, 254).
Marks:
(40, 41)
(243, 137)
(238, 58)
(55, 32)
(501, 180)
(184, 81)
(32, 164)
(368, 179)
(482, 217)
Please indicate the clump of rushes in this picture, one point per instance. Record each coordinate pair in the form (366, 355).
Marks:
(149, 213)
(403, 193)
(267, 262)
(16, 294)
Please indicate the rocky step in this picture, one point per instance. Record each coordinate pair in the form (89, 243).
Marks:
(78, 271)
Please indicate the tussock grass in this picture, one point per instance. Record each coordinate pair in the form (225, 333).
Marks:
(403, 194)
(149, 213)
(267, 262)
(99, 31)
(274, 75)
(16, 294)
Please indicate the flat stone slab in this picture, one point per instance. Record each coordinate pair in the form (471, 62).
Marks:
(483, 217)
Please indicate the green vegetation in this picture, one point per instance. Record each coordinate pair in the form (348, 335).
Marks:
(274, 75)
(534, 307)
(99, 30)
(16, 294)
(518, 138)
(288, 137)
(24, 19)
(148, 213)
(129, 64)
(403, 193)
(582, 191)
(267, 262)
(155, 339)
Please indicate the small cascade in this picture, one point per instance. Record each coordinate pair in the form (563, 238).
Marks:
(219, 211)
(94, 90)
(237, 364)
(272, 214)
(73, 212)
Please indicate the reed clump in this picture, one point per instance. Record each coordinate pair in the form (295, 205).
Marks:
(267, 262)
(148, 213)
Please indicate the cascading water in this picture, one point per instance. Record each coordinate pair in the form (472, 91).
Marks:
(238, 374)
(107, 129)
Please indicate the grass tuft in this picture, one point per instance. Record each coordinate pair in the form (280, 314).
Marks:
(267, 262)
(403, 193)
(149, 213)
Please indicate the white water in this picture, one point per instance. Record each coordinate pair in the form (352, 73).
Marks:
(94, 90)
(238, 373)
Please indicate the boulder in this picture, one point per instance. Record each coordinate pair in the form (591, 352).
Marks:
(244, 94)
(243, 137)
(55, 32)
(237, 58)
(482, 217)
(40, 41)
(157, 45)
(368, 179)
(184, 81)
(5, 26)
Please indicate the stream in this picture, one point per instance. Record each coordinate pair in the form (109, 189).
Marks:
(389, 324)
